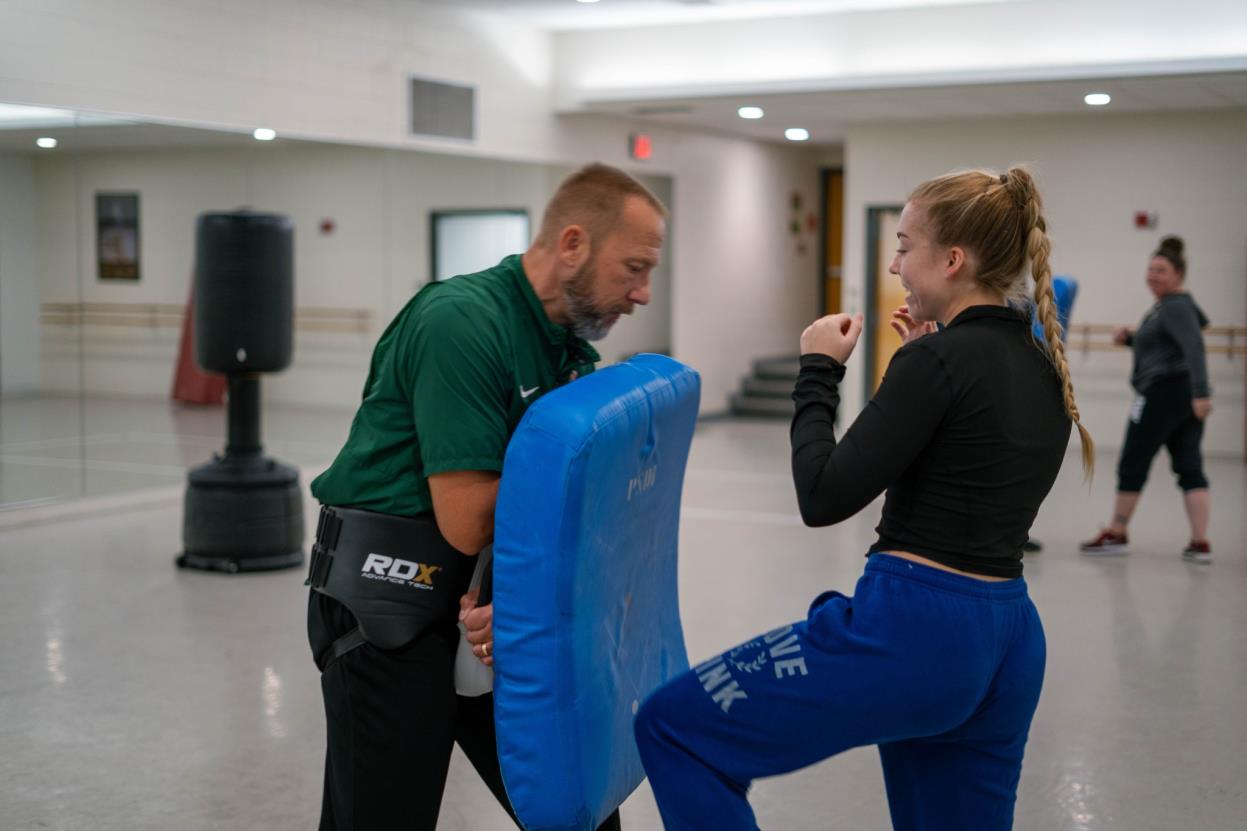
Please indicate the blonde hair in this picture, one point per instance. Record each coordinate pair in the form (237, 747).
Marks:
(593, 197)
(999, 219)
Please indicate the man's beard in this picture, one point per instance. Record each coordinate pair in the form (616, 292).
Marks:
(587, 320)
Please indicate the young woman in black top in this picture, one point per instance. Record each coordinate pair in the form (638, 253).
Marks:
(938, 657)
(1170, 377)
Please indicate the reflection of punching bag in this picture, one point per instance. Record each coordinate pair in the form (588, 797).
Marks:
(243, 512)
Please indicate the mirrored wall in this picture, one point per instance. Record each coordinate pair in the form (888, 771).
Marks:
(99, 393)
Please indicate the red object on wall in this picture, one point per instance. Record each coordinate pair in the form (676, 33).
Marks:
(191, 385)
(640, 147)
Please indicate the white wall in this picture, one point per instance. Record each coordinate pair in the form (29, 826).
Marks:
(741, 288)
(173, 188)
(376, 257)
(1095, 171)
(332, 70)
(19, 304)
(734, 286)
(337, 70)
(318, 68)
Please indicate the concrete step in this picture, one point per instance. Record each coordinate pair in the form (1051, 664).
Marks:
(777, 369)
(765, 406)
(767, 387)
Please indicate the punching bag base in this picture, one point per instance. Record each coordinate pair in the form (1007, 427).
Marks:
(242, 513)
(234, 565)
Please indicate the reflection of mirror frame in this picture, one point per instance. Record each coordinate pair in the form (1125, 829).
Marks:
(117, 236)
(435, 218)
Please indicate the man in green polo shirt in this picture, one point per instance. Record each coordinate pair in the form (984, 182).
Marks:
(449, 381)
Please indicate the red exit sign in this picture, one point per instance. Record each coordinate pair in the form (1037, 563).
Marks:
(640, 146)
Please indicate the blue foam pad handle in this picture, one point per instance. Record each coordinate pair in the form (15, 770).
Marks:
(586, 610)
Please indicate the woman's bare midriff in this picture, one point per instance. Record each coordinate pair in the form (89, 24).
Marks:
(905, 555)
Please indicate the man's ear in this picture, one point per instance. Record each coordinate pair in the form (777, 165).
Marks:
(573, 248)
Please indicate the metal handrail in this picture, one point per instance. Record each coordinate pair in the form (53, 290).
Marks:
(170, 315)
(1218, 340)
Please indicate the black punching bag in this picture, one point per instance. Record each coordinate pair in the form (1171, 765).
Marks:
(243, 511)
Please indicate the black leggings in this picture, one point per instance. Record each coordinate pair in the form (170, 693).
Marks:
(393, 718)
(1162, 417)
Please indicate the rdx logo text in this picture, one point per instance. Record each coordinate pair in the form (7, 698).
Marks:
(394, 570)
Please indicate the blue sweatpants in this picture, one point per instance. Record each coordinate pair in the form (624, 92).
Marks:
(941, 671)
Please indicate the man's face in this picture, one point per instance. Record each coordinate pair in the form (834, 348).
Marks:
(616, 277)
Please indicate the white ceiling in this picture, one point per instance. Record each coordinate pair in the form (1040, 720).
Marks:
(564, 15)
(820, 106)
(826, 65)
(828, 114)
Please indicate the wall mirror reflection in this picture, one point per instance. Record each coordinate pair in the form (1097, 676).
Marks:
(100, 393)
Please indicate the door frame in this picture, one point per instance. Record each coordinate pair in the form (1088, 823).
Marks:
(873, 213)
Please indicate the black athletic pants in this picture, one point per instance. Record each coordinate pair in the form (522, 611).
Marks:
(1162, 417)
(392, 719)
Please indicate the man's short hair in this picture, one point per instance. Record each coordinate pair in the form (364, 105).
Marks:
(593, 198)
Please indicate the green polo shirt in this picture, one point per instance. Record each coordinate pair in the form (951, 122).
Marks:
(449, 381)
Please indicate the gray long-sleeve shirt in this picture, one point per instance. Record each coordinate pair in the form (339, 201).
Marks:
(1168, 342)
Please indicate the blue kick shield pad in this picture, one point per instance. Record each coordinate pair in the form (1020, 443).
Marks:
(1064, 292)
(586, 610)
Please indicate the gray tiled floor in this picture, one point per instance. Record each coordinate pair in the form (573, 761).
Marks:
(68, 448)
(136, 696)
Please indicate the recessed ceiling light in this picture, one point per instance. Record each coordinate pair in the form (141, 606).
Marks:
(750, 112)
(797, 134)
(586, 1)
(46, 142)
(264, 134)
(1097, 99)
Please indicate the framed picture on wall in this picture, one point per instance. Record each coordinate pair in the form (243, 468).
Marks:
(117, 235)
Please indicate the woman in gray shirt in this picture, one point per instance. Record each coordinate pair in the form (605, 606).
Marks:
(1170, 377)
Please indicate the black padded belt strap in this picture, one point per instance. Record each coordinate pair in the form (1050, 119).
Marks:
(328, 527)
(351, 640)
(395, 574)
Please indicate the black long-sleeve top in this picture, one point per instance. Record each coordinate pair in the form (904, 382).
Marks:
(966, 434)
(1169, 342)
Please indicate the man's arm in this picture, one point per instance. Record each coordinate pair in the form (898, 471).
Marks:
(463, 504)
(459, 388)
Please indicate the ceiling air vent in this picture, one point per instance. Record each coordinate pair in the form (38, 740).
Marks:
(446, 110)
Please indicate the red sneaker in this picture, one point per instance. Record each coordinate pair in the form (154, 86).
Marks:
(1197, 551)
(1107, 544)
